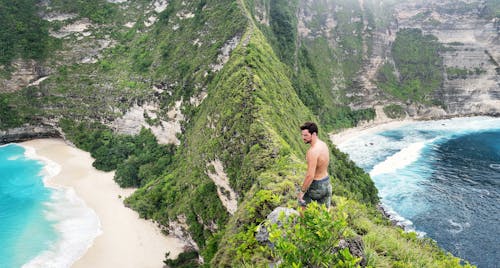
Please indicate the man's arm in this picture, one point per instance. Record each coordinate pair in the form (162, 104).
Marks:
(312, 160)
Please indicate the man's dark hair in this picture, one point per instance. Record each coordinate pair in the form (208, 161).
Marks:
(310, 126)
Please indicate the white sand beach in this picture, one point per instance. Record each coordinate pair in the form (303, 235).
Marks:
(344, 135)
(126, 240)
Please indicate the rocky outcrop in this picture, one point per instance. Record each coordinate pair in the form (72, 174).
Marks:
(355, 246)
(140, 116)
(24, 72)
(262, 235)
(226, 194)
(179, 228)
(471, 48)
(25, 133)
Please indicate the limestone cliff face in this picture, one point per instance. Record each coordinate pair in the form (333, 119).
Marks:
(474, 46)
(109, 72)
(471, 40)
(355, 36)
(26, 73)
(28, 133)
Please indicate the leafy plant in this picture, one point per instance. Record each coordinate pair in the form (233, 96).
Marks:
(311, 240)
(23, 33)
(394, 111)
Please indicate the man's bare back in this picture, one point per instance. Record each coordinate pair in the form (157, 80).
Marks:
(319, 151)
(316, 185)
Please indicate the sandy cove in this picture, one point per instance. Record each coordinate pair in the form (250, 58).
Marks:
(126, 240)
(372, 127)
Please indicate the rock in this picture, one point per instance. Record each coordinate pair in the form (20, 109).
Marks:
(355, 246)
(27, 133)
(24, 72)
(262, 234)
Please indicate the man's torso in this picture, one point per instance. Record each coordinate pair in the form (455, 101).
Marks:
(323, 154)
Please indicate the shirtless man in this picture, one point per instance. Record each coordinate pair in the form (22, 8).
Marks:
(316, 186)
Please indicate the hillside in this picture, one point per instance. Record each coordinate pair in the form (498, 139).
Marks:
(198, 103)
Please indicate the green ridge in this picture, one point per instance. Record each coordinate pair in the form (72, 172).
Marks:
(271, 83)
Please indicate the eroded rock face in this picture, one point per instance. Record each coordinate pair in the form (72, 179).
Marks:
(25, 72)
(473, 45)
(137, 117)
(179, 228)
(472, 41)
(25, 133)
(355, 246)
(226, 194)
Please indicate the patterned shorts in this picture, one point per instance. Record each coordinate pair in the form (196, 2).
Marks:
(319, 191)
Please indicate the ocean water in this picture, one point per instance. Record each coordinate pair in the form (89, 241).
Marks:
(441, 179)
(40, 226)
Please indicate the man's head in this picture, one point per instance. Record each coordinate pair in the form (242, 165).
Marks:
(309, 130)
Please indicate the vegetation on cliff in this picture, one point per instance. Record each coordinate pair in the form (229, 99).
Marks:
(23, 33)
(257, 96)
(320, 73)
(418, 67)
(136, 159)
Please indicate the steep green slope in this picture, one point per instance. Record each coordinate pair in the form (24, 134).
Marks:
(23, 33)
(321, 69)
(418, 64)
(248, 122)
(254, 132)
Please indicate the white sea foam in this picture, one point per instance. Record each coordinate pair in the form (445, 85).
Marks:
(457, 227)
(495, 166)
(399, 160)
(374, 144)
(76, 224)
(383, 154)
(401, 221)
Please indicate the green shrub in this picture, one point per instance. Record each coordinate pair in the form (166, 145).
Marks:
(187, 259)
(462, 73)
(394, 111)
(311, 240)
(9, 117)
(137, 159)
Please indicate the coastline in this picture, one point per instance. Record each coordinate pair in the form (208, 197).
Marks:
(452, 215)
(125, 240)
(371, 127)
(368, 128)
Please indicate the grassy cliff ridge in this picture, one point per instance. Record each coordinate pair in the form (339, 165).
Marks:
(257, 95)
(249, 122)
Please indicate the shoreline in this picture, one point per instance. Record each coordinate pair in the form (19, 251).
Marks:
(125, 240)
(382, 123)
(350, 133)
(344, 136)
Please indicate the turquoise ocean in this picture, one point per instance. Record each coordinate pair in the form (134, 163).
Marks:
(440, 179)
(41, 226)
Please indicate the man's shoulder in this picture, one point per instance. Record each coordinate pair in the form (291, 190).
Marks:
(323, 144)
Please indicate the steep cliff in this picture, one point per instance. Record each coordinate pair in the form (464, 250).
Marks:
(228, 83)
(350, 43)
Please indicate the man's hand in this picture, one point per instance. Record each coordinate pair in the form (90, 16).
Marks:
(300, 197)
